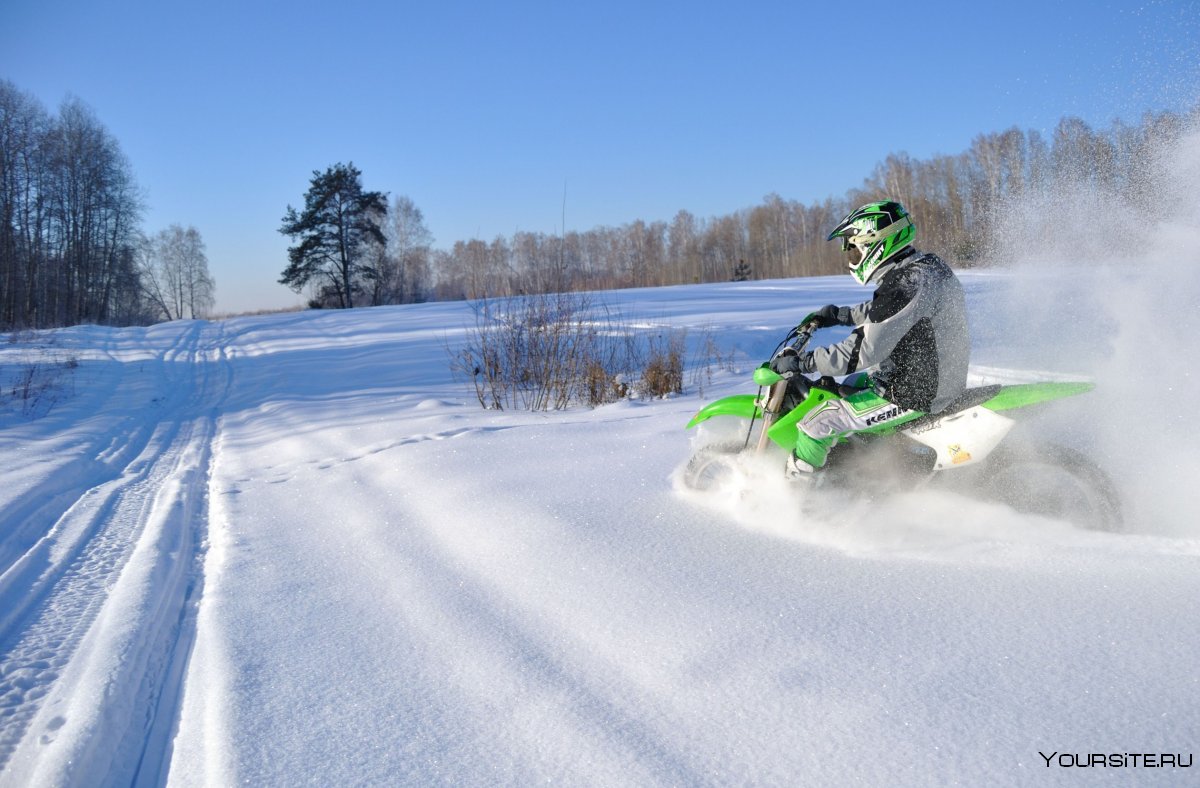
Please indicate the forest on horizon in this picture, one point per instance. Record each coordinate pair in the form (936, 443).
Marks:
(73, 248)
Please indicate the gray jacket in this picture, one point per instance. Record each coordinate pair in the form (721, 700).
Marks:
(911, 337)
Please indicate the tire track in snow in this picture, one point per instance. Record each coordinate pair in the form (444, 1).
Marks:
(91, 666)
(109, 456)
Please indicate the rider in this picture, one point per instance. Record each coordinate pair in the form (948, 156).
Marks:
(910, 339)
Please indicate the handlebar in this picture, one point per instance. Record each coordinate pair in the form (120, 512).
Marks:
(797, 339)
(795, 342)
(803, 334)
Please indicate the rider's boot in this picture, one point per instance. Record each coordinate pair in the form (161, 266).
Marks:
(797, 469)
(808, 458)
(812, 451)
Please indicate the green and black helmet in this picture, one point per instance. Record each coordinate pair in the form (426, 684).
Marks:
(873, 235)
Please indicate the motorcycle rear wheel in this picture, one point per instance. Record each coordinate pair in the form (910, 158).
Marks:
(1053, 481)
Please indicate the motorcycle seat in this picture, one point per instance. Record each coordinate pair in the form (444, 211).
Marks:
(968, 399)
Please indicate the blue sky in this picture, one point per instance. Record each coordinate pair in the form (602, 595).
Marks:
(486, 114)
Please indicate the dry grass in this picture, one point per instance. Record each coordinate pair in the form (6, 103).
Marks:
(548, 352)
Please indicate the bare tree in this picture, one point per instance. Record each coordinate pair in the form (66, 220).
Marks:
(683, 247)
(408, 246)
(175, 273)
(397, 270)
(769, 237)
(68, 216)
(23, 124)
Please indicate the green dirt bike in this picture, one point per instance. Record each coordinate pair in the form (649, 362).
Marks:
(966, 448)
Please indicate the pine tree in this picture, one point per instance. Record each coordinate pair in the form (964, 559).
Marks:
(339, 219)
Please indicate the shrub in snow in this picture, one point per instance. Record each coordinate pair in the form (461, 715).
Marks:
(554, 350)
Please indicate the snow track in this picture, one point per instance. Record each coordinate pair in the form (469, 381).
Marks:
(98, 612)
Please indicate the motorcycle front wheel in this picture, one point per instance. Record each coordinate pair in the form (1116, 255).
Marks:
(713, 465)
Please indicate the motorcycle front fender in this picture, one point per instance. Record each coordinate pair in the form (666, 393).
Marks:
(743, 406)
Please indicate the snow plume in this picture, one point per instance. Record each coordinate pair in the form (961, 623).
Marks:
(752, 491)
(1106, 285)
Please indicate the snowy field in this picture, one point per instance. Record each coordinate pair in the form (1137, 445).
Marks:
(292, 549)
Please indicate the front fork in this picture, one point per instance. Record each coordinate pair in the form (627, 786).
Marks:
(771, 404)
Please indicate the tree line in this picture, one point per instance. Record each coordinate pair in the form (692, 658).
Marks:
(72, 248)
(355, 250)
(958, 202)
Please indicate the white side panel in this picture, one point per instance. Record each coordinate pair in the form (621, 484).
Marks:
(965, 437)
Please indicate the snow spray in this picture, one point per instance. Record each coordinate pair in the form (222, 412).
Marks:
(1106, 283)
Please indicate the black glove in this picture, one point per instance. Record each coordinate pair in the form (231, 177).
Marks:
(789, 362)
(824, 317)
